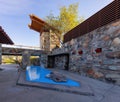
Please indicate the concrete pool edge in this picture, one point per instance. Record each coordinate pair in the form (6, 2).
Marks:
(82, 90)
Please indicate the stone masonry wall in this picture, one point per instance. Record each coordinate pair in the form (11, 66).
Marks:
(0, 53)
(60, 62)
(96, 54)
(54, 41)
(43, 60)
(49, 41)
(45, 41)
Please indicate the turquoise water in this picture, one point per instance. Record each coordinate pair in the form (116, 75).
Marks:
(37, 74)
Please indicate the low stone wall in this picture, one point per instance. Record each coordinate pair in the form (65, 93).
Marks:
(42, 60)
(96, 54)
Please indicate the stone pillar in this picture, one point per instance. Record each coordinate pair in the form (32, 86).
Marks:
(40, 41)
(54, 41)
(49, 41)
(43, 60)
(0, 53)
(45, 41)
(25, 59)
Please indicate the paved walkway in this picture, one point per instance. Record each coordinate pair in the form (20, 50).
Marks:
(10, 92)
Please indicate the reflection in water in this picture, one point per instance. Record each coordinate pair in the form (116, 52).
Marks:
(33, 73)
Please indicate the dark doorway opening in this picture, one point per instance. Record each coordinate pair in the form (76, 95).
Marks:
(60, 61)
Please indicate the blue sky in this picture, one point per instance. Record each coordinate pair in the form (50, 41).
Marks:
(14, 15)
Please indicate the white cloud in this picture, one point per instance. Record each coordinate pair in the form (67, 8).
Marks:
(10, 7)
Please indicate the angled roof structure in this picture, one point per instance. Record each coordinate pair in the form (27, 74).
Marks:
(36, 23)
(4, 38)
(39, 25)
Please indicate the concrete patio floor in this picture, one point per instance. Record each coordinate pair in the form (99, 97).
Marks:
(10, 92)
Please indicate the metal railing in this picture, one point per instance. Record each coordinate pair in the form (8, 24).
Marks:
(21, 47)
(103, 17)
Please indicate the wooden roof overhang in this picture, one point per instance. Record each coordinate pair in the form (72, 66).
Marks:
(4, 38)
(39, 25)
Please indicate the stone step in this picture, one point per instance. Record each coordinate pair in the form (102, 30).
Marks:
(113, 76)
(118, 82)
(113, 55)
(114, 67)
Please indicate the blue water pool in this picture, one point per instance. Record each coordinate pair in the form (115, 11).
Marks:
(38, 74)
